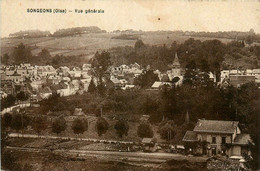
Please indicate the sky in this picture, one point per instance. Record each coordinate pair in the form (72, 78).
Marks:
(147, 15)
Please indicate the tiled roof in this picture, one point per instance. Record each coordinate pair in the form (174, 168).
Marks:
(216, 126)
(240, 79)
(46, 90)
(147, 140)
(190, 136)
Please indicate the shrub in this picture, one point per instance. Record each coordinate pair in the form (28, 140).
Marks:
(102, 126)
(79, 126)
(145, 131)
(59, 125)
(122, 128)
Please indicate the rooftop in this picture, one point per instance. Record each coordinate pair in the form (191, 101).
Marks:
(216, 126)
(242, 139)
(190, 136)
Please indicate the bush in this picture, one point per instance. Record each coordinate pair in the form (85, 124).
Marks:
(145, 131)
(6, 120)
(39, 124)
(7, 102)
(122, 128)
(19, 121)
(79, 126)
(59, 125)
(102, 126)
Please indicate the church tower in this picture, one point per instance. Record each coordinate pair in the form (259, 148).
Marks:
(176, 67)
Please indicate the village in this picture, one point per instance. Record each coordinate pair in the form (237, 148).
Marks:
(39, 82)
(31, 84)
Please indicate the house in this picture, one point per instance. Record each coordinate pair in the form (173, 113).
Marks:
(84, 84)
(217, 137)
(45, 92)
(15, 77)
(75, 72)
(86, 67)
(116, 82)
(238, 80)
(127, 87)
(224, 74)
(159, 84)
(62, 89)
(123, 82)
(3, 94)
(74, 86)
(256, 72)
(22, 71)
(36, 82)
(63, 70)
(144, 118)
(46, 70)
(53, 79)
(8, 87)
(78, 112)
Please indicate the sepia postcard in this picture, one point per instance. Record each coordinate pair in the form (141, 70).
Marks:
(136, 85)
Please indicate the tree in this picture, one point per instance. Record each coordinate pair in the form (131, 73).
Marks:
(60, 106)
(79, 126)
(19, 121)
(22, 54)
(43, 56)
(22, 96)
(146, 79)
(39, 124)
(8, 101)
(101, 89)
(92, 87)
(144, 131)
(6, 59)
(167, 131)
(100, 64)
(59, 125)
(139, 44)
(102, 126)
(6, 120)
(122, 128)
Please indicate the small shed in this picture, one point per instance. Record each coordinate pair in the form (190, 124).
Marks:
(148, 144)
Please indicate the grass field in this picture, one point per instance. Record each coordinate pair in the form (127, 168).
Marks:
(87, 44)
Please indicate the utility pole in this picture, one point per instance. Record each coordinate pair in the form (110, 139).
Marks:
(22, 125)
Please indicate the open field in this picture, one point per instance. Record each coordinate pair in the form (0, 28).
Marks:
(87, 44)
(67, 159)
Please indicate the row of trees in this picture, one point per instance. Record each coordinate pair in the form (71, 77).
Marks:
(18, 121)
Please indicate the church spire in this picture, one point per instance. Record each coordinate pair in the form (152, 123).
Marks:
(176, 60)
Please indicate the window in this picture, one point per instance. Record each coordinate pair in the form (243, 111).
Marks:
(223, 140)
(213, 139)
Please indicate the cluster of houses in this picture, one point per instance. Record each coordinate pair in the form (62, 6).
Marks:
(238, 77)
(42, 81)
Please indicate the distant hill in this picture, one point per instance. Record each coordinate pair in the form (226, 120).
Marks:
(126, 37)
(77, 31)
(30, 34)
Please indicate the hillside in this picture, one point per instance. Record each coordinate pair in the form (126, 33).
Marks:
(87, 44)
